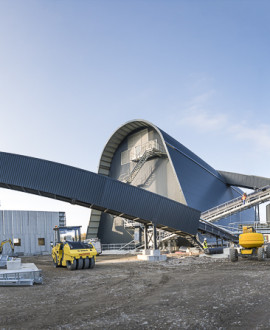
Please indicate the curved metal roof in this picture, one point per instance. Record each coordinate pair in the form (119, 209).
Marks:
(116, 139)
(119, 136)
(202, 186)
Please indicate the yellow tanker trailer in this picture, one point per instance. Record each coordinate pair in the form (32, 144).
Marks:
(252, 244)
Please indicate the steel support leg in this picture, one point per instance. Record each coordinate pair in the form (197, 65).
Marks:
(169, 246)
(145, 237)
(154, 237)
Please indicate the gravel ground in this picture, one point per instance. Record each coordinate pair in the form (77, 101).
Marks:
(123, 293)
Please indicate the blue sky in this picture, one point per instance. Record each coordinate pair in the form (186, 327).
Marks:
(72, 72)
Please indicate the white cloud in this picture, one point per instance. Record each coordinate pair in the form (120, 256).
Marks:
(197, 116)
(204, 121)
(258, 136)
(199, 100)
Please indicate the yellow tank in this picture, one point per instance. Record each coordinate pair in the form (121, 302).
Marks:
(251, 240)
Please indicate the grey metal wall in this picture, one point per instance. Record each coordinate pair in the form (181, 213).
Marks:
(30, 227)
(156, 176)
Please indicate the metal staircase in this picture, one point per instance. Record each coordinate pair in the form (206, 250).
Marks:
(236, 205)
(193, 240)
(166, 236)
(138, 166)
(142, 160)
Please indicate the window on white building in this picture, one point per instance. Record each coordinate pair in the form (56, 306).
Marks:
(17, 242)
(41, 241)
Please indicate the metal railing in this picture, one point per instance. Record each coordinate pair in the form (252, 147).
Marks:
(120, 246)
(138, 151)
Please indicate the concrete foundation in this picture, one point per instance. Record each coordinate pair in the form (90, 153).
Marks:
(151, 255)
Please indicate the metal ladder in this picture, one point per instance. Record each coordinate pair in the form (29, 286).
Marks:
(139, 165)
(236, 205)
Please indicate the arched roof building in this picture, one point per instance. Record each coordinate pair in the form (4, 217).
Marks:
(143, 155)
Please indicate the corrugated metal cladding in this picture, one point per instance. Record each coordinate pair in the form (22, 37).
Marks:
(93, 190)
(245, 181)
(30, 231)
(146, 205)
(202, 185)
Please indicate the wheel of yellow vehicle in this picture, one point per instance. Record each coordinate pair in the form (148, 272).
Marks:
(71, 265)
(79, 263)
(267, 251)
(260, 254)
(233, 255)
(92, 263)
(86, 263)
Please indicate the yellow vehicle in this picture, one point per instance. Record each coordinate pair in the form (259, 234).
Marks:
(252, 244)
(4, 242)
(69, 251)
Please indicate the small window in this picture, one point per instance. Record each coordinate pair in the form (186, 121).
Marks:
(41, 241)
(17, 241)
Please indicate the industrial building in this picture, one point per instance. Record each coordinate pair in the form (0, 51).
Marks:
(145, 176)
(30, 231)
(142, 155)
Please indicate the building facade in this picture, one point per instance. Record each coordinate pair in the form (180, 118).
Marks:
(30, 231)
(141, 154)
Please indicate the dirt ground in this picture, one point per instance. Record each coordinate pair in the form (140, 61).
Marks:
(123, 293)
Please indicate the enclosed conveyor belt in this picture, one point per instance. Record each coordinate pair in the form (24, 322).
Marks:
(208, 228)
(236, 205)
(245, 181)
(95, 191)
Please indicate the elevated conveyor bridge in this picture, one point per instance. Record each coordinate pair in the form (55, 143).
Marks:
(236, 205)
(104, 194)
(95, 191)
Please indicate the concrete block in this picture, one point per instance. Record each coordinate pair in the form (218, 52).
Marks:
(151, 255)
(14, 264)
